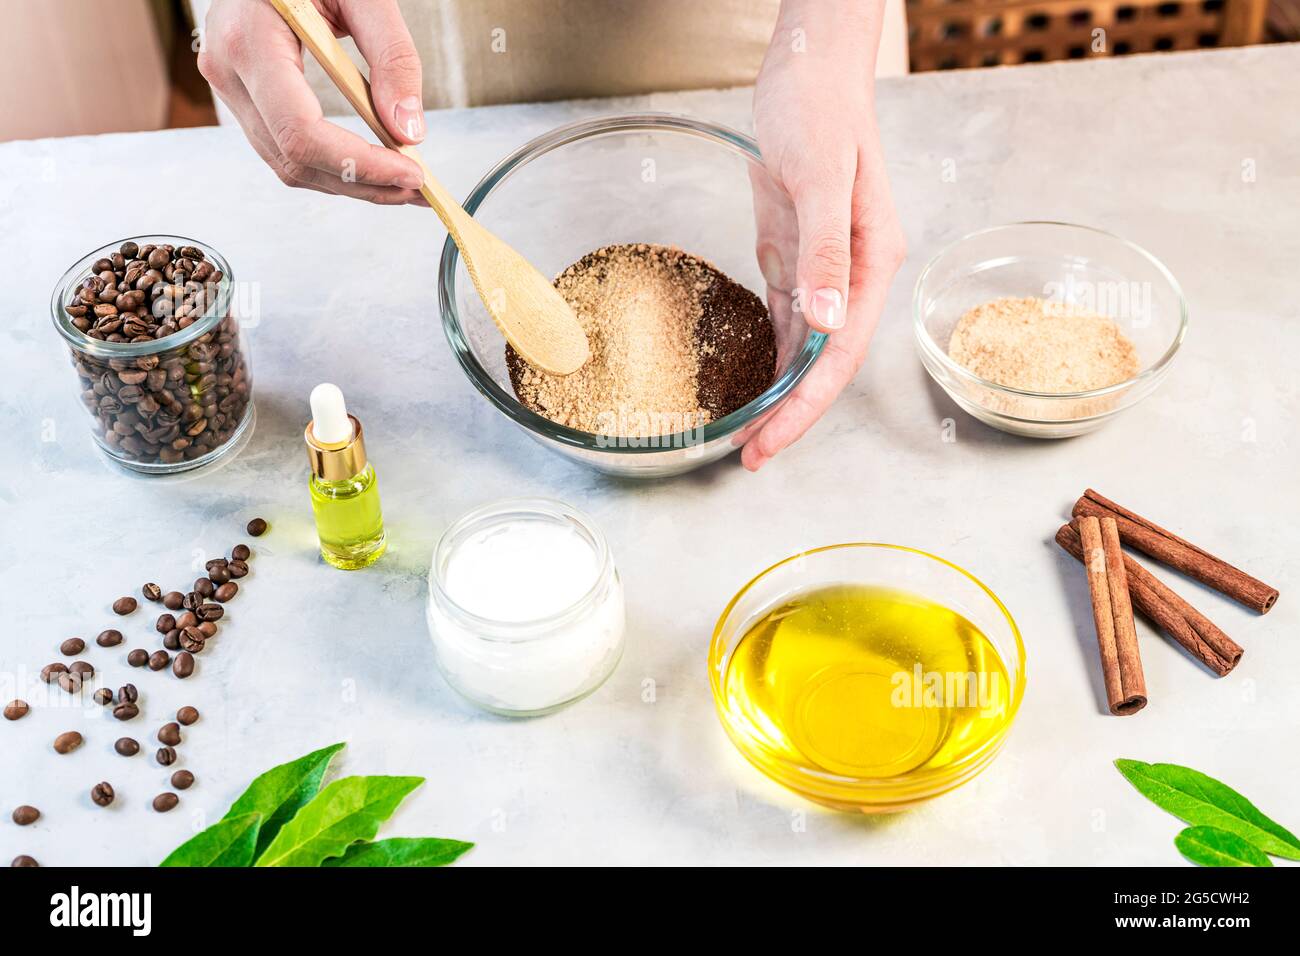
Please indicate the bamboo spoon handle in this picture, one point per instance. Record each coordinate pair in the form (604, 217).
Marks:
(317, 35)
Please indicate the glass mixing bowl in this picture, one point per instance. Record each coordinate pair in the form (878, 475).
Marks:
(1063, 263)
(896, 568)
(652, 178)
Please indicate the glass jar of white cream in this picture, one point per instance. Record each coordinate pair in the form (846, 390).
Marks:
(525, 606)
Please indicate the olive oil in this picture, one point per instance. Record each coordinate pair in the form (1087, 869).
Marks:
(864, 682)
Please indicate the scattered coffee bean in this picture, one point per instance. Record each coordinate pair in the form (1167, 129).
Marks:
(24, 860)
(127, 746)
(241, 552)
(17, 710)
(166, 756)
(238, 569)
(192, 601)
(67, 742)
(138, 657)
(151, 592)
(109, 638)
(72, 647)
(172, 640)
(83, 669)
(124, 605)
(70, 682)
(101, 794)
(207, 629)
(219, 576)
(128, 693)
(192, 640)
(186, 620)
(170, 733)
(165, 801)
(210, 612)
(158, 660)
(172, 600)
(50, 672)
(165, 623)
(187, 715)
(204, 587)
(103, 697)
(183, 666)
(226, 592)
(257, 527)
(182, 780)
(126, 711)
(215, 564)
(25, 815)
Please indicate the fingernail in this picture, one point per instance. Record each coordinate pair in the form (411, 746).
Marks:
(409, 181)
(409, 114)
(828, 308)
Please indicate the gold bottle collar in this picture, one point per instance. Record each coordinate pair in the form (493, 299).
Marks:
(339, 461)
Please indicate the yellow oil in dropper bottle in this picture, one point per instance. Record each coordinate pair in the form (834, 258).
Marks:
(344, 487)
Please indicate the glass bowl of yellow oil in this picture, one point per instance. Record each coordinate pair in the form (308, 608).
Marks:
(867, 677)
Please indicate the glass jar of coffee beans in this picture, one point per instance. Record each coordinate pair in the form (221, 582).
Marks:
(161, 363)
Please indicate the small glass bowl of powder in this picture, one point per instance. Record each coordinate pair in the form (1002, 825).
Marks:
(1047, 329)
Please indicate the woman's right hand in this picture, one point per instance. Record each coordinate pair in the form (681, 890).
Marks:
(254, 63)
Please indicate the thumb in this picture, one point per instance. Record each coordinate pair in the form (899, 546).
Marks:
(824, 211)
(395, 75)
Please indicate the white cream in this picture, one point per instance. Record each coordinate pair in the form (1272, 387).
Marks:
(526, 609)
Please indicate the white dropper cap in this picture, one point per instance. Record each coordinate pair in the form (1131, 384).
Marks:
(330, 424)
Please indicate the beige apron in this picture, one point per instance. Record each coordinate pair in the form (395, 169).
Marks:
(480, 52)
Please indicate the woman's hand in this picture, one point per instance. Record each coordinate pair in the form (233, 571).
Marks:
(254, 63)
(829, 241)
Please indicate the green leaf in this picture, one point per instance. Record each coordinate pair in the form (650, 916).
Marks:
(1210, 846)
(346, 811)
(1203, 801)
(280, 792)
(228, 842)
(402, 851)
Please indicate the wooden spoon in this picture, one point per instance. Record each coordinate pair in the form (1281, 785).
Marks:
(532, 316)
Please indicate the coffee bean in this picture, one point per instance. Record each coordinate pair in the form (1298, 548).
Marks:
(238, 569)
(127, 746)
(158, 660)
(124, 605)
(109, 638)
(187, 715)
(67, 742)
(128, 693)
(210, 612)
(241, 552)
(192, 601)
(165, 801)
(226, 592)
(25, 815)
(170, 734)
(24, 860)
(207, 629)
(183, 666)
(192, 640)
(204, 587)
(126, 711)
(172, 640)
(70, 682)
(186, 620)
(83, 669)
(257, 527)
(216, 564)
(138, 657)
(218, 576)
(182, 780)
(72, 647)
(165, 623)
(172, 600)
(103, 697)
(101, 794)
(17, 710)
(50, 672)
(151, 592)
(166, 756)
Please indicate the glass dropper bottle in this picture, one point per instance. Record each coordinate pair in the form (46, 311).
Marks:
(344, 487)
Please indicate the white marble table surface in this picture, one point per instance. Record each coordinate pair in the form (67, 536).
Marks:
(1150, 147)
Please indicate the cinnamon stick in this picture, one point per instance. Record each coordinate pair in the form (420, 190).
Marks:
(1167, 610)
(1167, 548)
(1121, 665)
